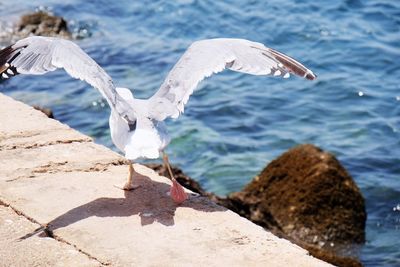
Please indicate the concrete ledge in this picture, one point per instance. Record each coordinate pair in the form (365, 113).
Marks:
(53, 176)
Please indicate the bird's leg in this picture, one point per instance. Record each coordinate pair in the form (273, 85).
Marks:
(168, 166)
(129, 183)
(178, 194)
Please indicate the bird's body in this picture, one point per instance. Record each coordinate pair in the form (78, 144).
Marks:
(137, 125)
(146, 139)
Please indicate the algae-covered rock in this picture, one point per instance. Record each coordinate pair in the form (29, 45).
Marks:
(310, 196)
(306, 195)
(48, 112)
(42, 23)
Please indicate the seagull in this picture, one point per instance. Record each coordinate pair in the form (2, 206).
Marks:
(137, 125)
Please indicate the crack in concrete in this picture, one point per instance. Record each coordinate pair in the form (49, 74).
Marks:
(48, 233)
(20, 213)
(31, 133)
(51, 234)
(57, 167)
(24, 134)
(36, 145)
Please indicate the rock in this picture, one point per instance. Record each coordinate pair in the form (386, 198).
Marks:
(305, 195)
(44, 24)
(331, 256)
(48, 112)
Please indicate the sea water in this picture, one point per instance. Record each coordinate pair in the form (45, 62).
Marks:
(236, 124)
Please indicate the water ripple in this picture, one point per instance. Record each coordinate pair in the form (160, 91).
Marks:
(235, 124)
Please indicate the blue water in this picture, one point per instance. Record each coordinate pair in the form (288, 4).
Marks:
(236, 123)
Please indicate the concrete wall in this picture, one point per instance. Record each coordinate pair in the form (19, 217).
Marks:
(55, 179)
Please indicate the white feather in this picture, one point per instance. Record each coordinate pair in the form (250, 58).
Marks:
(145, 135)
(206, 57)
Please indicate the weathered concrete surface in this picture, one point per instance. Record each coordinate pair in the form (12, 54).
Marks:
(24, 127)
(35, 251)
(57, 178)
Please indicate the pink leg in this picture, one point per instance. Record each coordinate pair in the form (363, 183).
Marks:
(178, 194)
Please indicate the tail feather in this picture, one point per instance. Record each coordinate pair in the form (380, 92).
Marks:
(143, 143)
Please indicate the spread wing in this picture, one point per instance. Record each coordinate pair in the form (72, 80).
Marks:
(38, 55)
(206, 57)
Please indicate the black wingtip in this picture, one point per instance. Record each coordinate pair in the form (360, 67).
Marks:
(6, 69)
(311, 76)
(5, 54)
(292, 65)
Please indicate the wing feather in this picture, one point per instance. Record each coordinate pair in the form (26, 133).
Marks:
(38, 55)
(204, 58)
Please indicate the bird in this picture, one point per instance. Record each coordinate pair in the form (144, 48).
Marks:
(137, 125)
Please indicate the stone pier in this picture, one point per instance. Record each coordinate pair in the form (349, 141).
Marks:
(59, 206)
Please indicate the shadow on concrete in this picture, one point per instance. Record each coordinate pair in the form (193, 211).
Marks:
(150, 201)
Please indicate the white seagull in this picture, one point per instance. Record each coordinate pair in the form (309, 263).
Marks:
(137, 127)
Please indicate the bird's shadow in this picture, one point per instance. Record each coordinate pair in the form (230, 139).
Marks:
(149, 201)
